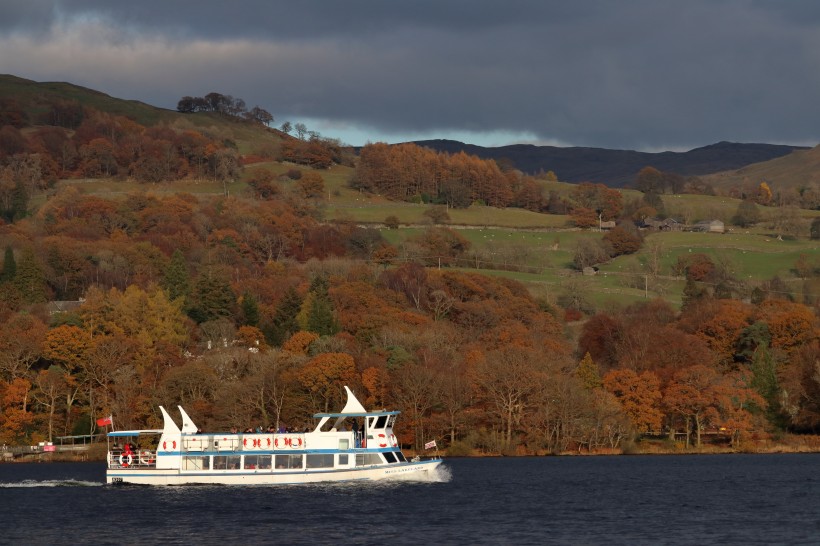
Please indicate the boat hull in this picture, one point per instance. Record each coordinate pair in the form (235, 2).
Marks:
(411, 471)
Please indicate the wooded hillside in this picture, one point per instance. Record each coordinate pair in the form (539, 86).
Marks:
(248, 308)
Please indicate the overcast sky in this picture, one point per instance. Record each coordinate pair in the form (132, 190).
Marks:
(633, 74)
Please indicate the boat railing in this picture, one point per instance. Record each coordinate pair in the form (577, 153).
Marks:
(246, 441)
(143, 458)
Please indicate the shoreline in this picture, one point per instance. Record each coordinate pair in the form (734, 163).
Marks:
(780, 448)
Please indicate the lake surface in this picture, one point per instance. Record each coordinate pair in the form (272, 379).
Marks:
(705, 499)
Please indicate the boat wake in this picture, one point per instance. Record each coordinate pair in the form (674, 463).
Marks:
(49, 483)
(441, 474)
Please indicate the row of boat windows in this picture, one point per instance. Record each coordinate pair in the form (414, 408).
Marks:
(284, 462)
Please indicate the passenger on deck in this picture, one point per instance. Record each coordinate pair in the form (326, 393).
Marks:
(234, 430)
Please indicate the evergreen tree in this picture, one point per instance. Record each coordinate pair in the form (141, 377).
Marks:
(19, 200)
(758, 295)
(284, 322)
(212, 298)
(176, 281)
(691, 292)
(320, 314)
(764, 381)
(751, 338)
(9, 266)
(29, 279)
(250, 309)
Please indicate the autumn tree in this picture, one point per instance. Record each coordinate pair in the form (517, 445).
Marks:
(146, 316)
(589, 252)
(51, 386)
(694, 394)
(311, 185)
(410, 279)
(790, 324)
(16, 417)
(649, 180)
(437, 215)
(588, 373)
(719, 323)
(267, 386)
(21, 341)
(299, 342)
(639, 396)
(416, 389)
(583, 217)
(505, 379)
(621, 241)
(67, 346)
(764, 194)
(747, 214)
(604, 202)
(456, 398)
(324, 377)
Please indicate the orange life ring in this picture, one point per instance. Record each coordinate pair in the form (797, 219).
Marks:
(295, 442)
(127, 461)
(383, 440)
(393, 441)
(285, 442)
(268, 439)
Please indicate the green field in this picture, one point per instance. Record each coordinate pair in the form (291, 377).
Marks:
(543, 260)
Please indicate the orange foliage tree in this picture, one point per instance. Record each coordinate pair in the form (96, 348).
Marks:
(324, 375)
(639, 396)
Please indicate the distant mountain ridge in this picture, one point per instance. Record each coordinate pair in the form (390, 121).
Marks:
(618, 168)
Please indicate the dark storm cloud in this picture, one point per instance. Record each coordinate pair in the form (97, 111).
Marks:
(638, 74)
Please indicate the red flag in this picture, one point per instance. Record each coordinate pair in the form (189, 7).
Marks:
(102, 421)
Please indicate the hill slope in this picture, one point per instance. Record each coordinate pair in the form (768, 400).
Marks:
(798, 169)
(618, 168)
(36, 99)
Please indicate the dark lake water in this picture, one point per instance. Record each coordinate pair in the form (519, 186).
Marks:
(699, 500)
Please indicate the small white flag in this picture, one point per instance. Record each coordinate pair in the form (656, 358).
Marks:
(430, 445)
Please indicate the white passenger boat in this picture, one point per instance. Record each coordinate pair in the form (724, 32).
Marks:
(334, 451)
